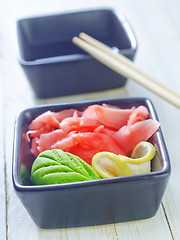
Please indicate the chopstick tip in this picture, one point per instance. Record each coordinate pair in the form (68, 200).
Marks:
(74, 39)
(82, 34)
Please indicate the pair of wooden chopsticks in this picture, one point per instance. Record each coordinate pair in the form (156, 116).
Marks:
(125, 67)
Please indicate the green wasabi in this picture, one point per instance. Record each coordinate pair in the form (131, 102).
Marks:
(56, 167)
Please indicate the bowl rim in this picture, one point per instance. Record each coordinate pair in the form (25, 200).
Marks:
(78, 57)
(164, 172)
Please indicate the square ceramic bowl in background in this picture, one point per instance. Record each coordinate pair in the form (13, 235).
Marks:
(94, 202)
(54, 66)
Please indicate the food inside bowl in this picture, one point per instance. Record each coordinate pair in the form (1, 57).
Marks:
(97, 129)
(112, 165)
(56, 166)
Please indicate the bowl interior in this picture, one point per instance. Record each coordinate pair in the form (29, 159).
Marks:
(23, 159)
(51, 36)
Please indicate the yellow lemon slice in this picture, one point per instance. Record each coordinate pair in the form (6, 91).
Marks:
(111, 165)
(140, 161)
(143, 152)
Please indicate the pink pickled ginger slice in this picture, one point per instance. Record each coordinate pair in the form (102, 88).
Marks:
(66, 114)
(47, 140)
(94, 143)
(80, 124)
(139, 114)
(129, 136)
(111, 117)
(47, 118)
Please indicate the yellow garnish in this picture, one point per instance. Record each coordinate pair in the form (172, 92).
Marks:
(143, 152)
(111, 165)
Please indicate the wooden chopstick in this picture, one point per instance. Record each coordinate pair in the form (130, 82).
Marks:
(125, 67)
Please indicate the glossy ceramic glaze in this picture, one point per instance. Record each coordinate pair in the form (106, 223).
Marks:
(93, 202)
(54, 66)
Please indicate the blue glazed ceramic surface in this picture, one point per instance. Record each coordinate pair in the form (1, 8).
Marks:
(95, 202)
(54, 66)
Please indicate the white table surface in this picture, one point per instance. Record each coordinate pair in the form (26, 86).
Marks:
(157, 26)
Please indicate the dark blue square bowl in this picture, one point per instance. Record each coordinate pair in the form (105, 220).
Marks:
(89, 203)
(54, 66)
